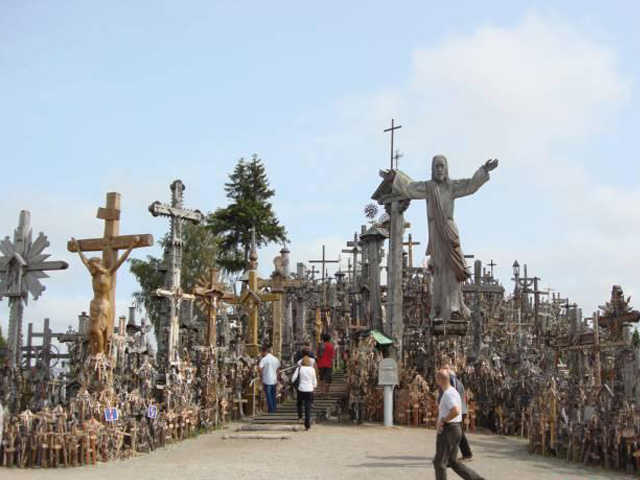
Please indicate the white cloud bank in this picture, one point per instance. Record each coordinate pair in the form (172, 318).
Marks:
(538, 96)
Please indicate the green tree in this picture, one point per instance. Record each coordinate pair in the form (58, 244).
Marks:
(636, 339)
(199, 254)
(249, 193)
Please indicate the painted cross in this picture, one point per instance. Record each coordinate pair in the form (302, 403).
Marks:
(173, 292)
(209, 291)
(109, 245)
(22, 266)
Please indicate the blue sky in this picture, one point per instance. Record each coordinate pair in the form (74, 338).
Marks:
(128, 96)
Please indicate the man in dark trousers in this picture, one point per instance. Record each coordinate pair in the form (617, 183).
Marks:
(449, 431)
(455, 382)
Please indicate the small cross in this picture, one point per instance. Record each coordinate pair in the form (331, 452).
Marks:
(397, 157)
(392, 130)
(491, 265)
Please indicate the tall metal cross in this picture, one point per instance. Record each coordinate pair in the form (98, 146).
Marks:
(173, 291)
(392, 129)
(21, 268)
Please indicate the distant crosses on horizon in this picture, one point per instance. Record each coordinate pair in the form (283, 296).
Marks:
(392, 129)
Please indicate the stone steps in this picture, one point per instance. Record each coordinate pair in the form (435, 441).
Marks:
(323, 405)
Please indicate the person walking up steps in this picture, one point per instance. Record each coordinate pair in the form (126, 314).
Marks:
(307, 383)
(449, 431)
(268, 367)
(325, 355)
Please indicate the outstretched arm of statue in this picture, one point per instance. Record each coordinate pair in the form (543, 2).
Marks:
(82, 257)
(126, 254)
(469, 186)
(490, 165)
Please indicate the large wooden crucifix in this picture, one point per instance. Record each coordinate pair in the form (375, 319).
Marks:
(278, 283)
(251, 299)
(209, 291)
(168, 344)
(21, 267)
(109, 245)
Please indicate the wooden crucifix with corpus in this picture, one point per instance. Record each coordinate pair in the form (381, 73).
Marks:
(103, 271)
(210, 291)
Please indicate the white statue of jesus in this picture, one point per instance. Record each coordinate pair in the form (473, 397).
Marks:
(446, 258)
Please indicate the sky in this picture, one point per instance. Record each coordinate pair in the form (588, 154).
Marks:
(129, 96)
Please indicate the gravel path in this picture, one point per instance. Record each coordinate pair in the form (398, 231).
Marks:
(325, 452)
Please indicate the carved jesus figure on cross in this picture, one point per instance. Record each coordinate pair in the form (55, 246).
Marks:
(101, 307)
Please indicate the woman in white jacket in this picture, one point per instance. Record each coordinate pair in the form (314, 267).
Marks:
(307, 383)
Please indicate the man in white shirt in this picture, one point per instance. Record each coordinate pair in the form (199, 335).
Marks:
(268, 367)
(449, 431)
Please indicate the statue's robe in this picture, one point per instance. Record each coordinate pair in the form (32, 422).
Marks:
(446, 258)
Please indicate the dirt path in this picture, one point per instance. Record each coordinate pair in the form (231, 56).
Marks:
(325, 452)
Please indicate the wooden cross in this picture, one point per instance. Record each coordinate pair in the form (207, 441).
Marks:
(252, 298)
(209, 291)
(392, 130)
(110, 243)
(354, 250)
(278, 284)
(313, 272)
(324, 262)
(491, 265)
(410, 244)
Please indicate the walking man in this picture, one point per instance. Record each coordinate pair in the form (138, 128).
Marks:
(455, 382)
(326, 353)
(449, 431)
(268, 367)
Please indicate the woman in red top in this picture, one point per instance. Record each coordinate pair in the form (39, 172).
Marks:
(325, 357)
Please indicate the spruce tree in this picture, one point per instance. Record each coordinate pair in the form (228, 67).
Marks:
(249, 193)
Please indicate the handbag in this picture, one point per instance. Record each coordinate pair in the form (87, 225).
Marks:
(295, 383)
